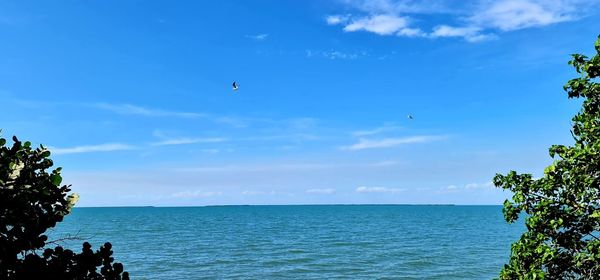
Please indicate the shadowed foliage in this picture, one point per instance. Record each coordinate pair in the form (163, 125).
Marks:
(562, 209)
(32, 200)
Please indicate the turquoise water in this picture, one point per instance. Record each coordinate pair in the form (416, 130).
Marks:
(300, 242)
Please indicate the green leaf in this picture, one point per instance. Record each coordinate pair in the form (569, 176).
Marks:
(56, 179)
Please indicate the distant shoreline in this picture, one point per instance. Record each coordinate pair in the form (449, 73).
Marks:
(282, 205)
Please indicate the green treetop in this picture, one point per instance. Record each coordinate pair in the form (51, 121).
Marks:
(562, 208)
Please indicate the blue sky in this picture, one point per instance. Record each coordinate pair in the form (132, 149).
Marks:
(134, 97)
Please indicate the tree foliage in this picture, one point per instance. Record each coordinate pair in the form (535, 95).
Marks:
(562, 209)
(32, 200)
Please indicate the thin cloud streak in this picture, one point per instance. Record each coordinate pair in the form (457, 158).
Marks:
(258, 37)
(109, 147)
(285, 167)
(364, 144)
(186, 141)
(321, 191)
(128, 109)
(134, 110)
(378, 190)
(377, 130)
(195, 194)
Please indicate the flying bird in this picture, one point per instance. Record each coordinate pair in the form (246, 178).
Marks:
(410, 117)
(235, 86)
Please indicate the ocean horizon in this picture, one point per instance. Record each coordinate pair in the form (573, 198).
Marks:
(382, 241)
(300, 204)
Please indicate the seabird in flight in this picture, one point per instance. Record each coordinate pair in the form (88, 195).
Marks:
(235, 86)
(410, 117)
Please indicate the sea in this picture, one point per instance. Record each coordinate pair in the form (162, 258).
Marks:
(299, 242)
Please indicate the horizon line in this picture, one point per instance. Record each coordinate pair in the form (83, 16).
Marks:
(324, 204)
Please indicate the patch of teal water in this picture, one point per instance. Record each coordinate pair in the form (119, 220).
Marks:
(300, 242)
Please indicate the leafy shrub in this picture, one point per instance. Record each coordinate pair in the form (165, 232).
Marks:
(32, 200)
(562, 208)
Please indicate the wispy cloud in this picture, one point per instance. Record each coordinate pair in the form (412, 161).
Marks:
(109, 147)
(382, 24)
(377, 130)
(285, 167)
(252, 193)
(321, 191)
(488, 185)
(479, 21)
(467, 187)
(187, 140)
(378, 24)
(470, 33)
(259, 168)
(336, 19)
(390, 142)
(336, 54)
(258, 37)
(378, 190)
(269, 193)
(135, 110)
(128, 109)
(193, 194)
(293, 137)
(510, 15)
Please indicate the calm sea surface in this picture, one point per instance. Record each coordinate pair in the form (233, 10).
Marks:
(300, 242)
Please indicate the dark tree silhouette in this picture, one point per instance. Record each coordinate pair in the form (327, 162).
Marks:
(32, 200)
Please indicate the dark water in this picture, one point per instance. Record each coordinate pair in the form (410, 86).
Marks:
(300, 242)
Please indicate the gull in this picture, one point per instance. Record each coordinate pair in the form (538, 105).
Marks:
(235, 86)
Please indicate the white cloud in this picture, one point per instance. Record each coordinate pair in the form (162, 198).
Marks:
(339, 55)
(128, 109)
(378, 190)
(254, 193)
(411, 32)
(284, 167)
(300, 137)
(390, 142)
(488, 185)
(192, 194)
(109, 147)
(480, 19)
(134, 110)
(258, 37)
(336, 54)
(468, 187)
(400, 6)
(321, 191)
(512, 14)
(337, 19)
(271, 193)
(187, 140)
(470, 33)
(379, 24)
(377, 130)
(259, 168)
